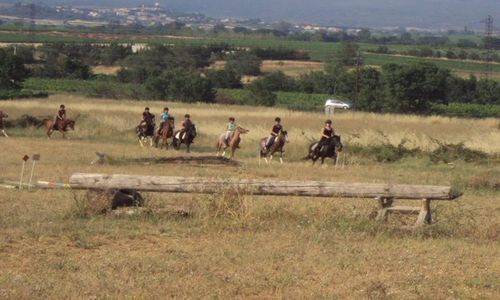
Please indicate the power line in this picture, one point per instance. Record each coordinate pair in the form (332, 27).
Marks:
(488, 43)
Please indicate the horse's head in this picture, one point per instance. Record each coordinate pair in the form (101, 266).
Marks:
(284, 135)
(70, 124)
(338, 143)
(242, 130)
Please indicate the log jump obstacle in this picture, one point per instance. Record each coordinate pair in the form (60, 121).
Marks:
(384, 193)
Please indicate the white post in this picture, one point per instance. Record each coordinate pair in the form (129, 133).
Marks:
(25, 158)
(36, 157)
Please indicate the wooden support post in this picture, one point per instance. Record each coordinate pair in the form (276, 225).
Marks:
(424, 217)
(385, 204)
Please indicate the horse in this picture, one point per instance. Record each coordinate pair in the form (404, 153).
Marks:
(328, 150)
(277, 146)
(187, 138)
(166, 132)
(144, 132)
(234, 141)
(61, 126)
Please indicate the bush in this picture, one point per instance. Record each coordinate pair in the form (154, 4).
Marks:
(452, 152)
(260, 95)
(466, 110)
(21, 94)
(226, 79)
(243, 63)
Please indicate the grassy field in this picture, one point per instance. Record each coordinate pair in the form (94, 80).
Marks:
(237, 246)
(319, 51)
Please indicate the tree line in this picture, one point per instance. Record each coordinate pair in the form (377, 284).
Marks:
(183, 73)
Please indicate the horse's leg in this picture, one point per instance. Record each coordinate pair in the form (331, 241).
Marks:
(4, 133)
(281, 157)
(188, 146)
(140, 142)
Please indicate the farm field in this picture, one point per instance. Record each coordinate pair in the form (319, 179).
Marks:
(318, 51)
(235, 246)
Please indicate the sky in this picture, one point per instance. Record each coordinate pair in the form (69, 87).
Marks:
(366, 13)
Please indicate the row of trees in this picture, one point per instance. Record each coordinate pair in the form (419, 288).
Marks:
(450, 54)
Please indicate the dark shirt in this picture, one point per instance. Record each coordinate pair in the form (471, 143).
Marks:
(187, 124)
(327, 132)
(148, 117)
(277, 129)
(61, 114)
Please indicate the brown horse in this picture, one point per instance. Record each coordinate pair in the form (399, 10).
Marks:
(277, 146)
(166, 132)
(234, 141)
(61, 126)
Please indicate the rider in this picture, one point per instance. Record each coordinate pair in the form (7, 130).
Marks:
(326, 134)
(186, 125)
(275, 131)
(147, 117)
(165, 116)
(60, 117)
(3, 116)
(231, 128)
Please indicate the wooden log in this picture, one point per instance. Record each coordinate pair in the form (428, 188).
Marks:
(260, 187)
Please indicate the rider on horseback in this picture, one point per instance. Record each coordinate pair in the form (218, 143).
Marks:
(186, 126)
(2, 116)
(148, 119)
(275, 131)
(165, 116)
(326, 135)
(231, 128)
(60, 117)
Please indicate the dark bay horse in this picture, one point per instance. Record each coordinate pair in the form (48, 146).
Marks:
(277, 146)
(234, 142)
(61, 126)
(166, 132)
(329, 150)
(144, 132)
(187, 138)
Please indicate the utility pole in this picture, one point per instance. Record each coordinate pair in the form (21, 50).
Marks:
(488, 39)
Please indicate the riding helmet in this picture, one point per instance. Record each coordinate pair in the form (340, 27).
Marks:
(165, 108)
(62, 106)
(277, 119)
(187, 116)
(231, 119)
(147, 108)
(328, 122)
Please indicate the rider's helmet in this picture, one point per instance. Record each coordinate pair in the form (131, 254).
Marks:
(328, 122)
(277, 120)
(165, 108)
(187, 116)
(146, 108)
(62, 106)
(231, 119)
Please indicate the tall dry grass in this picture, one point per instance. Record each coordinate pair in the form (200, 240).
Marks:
(237, 245)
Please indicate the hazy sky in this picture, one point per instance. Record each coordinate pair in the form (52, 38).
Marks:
(420, 13)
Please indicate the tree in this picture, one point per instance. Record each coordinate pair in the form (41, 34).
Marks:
(347, 54)
(259, 95)
(278, 81)
(243, 63)
(371, 95)
(412, 88)
(225, 79)
(12, 70)
(181, 84)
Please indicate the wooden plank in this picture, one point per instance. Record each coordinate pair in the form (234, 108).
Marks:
(260, 187)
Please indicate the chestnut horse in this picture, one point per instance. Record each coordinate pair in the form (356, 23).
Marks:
(166, 132)
(234, 141)
(61, 126)
(277, 146)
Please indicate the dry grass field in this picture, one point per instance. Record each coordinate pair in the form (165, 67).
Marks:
(237, 246)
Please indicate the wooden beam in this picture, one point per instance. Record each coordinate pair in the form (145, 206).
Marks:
(260, 187)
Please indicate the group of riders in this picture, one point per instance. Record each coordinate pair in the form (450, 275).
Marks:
(148, 121)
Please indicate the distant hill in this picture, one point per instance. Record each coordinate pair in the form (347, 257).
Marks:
(369, 13)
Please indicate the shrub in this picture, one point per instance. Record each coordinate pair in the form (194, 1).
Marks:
(452, 152)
